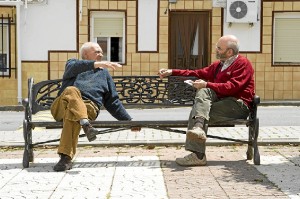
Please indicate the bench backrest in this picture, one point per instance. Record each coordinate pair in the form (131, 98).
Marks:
(134, 91)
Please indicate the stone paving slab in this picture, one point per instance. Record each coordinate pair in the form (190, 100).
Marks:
(283, 170)
(91, 177)
(143, 172)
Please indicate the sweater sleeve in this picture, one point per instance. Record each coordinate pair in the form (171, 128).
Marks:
(205, 73)
(112, 102)
(75, 67)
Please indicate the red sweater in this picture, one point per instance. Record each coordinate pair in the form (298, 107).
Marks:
(235, 81)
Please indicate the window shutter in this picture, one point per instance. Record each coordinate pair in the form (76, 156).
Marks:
(287, 40)
(108, 27)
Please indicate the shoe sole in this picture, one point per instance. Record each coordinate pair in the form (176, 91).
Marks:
(90, 139)
(190, 165)
(195, 137)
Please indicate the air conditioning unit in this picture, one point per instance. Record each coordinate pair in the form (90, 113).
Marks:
(241, 11)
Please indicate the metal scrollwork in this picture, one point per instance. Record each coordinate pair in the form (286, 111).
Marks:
(131, 89)
(140, 89)
(44, 93)
(153, 90)
(179, 92)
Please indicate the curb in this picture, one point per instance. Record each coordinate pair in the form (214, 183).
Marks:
(12, 108)
(280, 103)
(263, 103)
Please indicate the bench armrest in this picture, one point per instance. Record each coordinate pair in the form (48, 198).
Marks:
(256, 100)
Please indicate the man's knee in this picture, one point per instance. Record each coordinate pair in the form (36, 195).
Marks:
(71, 93)
(202, 92)
(70, 89)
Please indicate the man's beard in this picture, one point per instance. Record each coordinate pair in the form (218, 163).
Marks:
(221, 56)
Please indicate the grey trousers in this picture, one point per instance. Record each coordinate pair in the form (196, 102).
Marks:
(214, 110)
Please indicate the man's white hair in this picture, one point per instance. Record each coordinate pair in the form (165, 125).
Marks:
(232, 43)
(85, 47)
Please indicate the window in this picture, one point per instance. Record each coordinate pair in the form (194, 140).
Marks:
(108, 30)
(286, 38)
(4, 49)
(147, 24)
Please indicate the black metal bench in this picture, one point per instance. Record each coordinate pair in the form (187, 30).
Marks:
(137, 92)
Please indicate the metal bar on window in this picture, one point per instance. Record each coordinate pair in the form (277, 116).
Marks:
(7, 64)
(9, 49)
(2, 47)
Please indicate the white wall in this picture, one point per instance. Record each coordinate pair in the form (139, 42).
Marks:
(44, 27)
(248, 35)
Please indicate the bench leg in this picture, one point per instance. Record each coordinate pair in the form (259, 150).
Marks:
(249, 152)
(256, 159)
(253, 135)
(28, 151)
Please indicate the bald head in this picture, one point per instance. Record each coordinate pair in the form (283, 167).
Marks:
(231, 42)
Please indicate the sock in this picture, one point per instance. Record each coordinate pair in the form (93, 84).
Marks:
(199, 155)
(199, 122)
(83, 121)
(64, 156)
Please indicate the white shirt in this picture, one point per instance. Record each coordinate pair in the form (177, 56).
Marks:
(228, 62)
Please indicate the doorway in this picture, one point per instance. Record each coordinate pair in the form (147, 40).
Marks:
(189, 41)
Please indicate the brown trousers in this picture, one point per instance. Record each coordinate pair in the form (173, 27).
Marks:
(69, 107)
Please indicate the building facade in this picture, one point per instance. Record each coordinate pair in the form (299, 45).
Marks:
(38, 36)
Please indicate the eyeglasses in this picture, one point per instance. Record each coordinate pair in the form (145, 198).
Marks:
(98, 52)
(220, 49)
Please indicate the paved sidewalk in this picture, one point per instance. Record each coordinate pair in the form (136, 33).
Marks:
(151, 172)
(142, 164)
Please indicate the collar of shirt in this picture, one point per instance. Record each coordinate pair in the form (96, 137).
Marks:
(228, 62)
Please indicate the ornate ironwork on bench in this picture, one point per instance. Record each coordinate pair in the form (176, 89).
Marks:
(137, 91)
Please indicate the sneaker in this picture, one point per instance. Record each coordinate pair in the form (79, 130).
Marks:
(90, 132)
(65, 163)
(191, 160)
(197, 133)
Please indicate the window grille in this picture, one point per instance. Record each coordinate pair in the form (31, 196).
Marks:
(8, 47)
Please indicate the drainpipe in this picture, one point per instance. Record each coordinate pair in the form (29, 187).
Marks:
(80, 10)
(19, 65)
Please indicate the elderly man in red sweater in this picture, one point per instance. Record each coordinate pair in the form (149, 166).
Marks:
(224, 92)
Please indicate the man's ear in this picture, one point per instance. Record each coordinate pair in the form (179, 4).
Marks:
(230, 51)
(84, 55)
